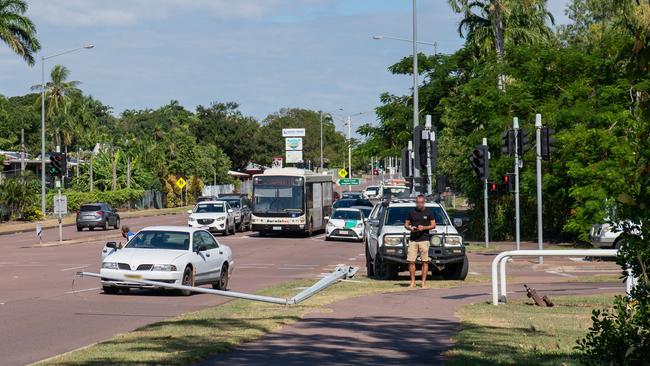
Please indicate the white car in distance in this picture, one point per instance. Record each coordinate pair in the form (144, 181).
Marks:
(371, 192)
(170, 254)
(345, 223)
(214, 216)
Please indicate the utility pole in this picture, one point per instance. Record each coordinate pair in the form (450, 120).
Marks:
(538, 161)
(349, 150)
(22, 150)
(321, 140)
(416, 118)
(430, 140)
(485, 200)
(515, 126)
(60, 206)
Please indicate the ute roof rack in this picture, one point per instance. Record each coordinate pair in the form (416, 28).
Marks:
(429, 199)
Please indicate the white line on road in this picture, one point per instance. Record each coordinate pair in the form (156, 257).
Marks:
(473, 273)
(84, 290)
(352, 259)
(560, 274)
(71, 268)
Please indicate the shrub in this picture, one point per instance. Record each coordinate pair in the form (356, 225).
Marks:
(114, 198)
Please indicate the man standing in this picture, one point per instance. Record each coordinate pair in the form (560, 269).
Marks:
(419, 221)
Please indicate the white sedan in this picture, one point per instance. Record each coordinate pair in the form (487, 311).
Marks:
(345, 223)
(171, 254)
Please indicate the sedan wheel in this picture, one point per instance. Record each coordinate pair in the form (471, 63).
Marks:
(110, 290)
(222, 284)
(117, 224)
(188, 280)
(106, 224)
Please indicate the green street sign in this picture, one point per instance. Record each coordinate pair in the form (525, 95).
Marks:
(349, 181)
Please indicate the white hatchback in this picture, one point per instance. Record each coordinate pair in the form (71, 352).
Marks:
(346, 223)
(170, 254)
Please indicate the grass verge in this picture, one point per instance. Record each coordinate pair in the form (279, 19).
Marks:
(193, 336)
(520, 333)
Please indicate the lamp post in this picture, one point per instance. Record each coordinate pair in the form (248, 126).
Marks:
(87, 46)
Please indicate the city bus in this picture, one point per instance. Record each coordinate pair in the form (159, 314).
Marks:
(291, 200)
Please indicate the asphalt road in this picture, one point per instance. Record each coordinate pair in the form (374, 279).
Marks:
(45, 311)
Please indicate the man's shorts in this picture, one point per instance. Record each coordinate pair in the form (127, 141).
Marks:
(420, 247)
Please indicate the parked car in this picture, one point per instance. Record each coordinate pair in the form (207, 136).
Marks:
(387, 240)
(345, 223)
(371, 192)
(349, 202)
(352, 195)
(366, 210)
(170, 254)
(100, 214)
(241, 207)
(214, 216)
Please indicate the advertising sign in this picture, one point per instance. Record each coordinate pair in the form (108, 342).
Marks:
(293, 132)
(277, 162)
(293, 143)
(294, 156)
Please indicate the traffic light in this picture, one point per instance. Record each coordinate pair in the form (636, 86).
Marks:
(523, 142)
(479, 161)
(420, 185)
(406, 163)
(508, 142)
(441, 183)
(509, 183)
(547, 143)
(422, 136)
(493, 189)
(58, 164)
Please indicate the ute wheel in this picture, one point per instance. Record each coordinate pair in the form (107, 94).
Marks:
(240, 227)
(79, 228)
(369, 268)
(110, 290)
(261, 234)
(117, 224)
(222, 284)
(384, 270)
(188, 280)
(456, 271)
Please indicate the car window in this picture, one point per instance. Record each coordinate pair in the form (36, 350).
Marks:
(197, 241)
(375, 212)
(397, 215)
(158, 239)
(346, 215)
(208, 240)
(209, 207)
(397, 192)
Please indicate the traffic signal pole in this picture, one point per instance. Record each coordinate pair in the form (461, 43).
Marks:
(59, 217)
(430, 140)
(485, 201)
(538, 161)
(515, 126)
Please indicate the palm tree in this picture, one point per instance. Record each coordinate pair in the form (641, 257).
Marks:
(59, 93)
(17, 31)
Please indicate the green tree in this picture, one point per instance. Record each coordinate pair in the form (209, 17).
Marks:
(18, 31)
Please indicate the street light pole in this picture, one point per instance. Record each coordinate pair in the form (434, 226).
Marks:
(43, 58)
(321, 141)
(416, 171)
(349, 150)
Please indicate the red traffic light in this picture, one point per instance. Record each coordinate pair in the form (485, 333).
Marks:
(506, 179)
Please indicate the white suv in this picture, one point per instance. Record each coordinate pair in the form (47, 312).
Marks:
(387, 241)
(214, 216)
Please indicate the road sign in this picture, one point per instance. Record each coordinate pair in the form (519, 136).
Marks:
(277, 162)
(349, 181)
(293, 143)
(293, 132)
(343, 173)
(39, 230)
(60, 205)
(294, 156)
(180, 183)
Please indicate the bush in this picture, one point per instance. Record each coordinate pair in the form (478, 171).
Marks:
(31, 214)
(113, 198)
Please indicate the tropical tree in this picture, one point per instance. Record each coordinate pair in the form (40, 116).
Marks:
(59, 93)
(18, 31)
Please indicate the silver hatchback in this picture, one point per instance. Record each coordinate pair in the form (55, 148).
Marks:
(101, 215)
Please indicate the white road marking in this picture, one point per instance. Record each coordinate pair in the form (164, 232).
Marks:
(609, 288)
(71, 268)
(474, 273)
(560, 274)
(84, 290)
(578, 259)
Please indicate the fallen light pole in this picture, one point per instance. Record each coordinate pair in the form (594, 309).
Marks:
(502, 258)
(342, 272)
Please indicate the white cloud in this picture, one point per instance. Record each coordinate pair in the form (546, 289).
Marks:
(87, 13)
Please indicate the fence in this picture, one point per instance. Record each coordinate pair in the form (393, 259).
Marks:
(217, 190)
(150, 199)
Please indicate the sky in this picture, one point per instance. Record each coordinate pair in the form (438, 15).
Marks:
(263, 54)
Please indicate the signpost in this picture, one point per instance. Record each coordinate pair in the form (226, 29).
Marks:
(343, 173)
(293, 144)
(181, 183)
(293, 132)
(39, 232)
(349, 181)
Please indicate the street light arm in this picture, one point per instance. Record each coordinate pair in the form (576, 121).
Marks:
(434, 44)
(88, 46)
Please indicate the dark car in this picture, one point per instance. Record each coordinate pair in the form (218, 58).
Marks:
(349, 202)
(100, 214)
(206, 198)
(241, 207)
(352, 195)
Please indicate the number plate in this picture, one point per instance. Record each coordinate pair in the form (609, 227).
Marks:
(344, 232)
(277, 228)
(87, 217)
(133, 277)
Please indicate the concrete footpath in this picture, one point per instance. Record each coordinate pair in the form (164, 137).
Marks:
(399, 328)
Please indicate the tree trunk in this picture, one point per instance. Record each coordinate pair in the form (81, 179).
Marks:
(499, 43)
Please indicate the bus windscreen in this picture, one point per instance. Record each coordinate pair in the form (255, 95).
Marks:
(278, 195)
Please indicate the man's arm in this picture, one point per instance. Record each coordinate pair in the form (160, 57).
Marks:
(407, 223)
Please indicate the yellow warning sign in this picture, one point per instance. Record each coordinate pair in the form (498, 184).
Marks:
(343, 173)
(180, 183)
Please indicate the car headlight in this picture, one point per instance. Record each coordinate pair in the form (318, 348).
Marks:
(163, 267)
(392, 241)
(220, 218)
(359, 225)
(453, 241)
(110, 265)
(191, 219)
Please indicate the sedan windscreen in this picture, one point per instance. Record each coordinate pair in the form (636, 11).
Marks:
(346, 215)
(397, 215)
(154, 239)
(209, 208)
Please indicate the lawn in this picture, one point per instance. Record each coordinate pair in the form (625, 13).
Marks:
(522, 334)
(193, 336)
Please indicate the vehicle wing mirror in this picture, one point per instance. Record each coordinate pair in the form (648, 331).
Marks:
(112, 245)
(458, 222)
(230, 210)
(189, 212)
(201, 248)
(374, 222)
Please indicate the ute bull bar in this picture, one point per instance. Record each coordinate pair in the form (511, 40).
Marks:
(342, 272)
(439, 252)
